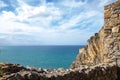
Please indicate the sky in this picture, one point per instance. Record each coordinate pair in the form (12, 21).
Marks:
(50, 22)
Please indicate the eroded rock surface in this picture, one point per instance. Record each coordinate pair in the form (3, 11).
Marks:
(98, 72)
(103, 47)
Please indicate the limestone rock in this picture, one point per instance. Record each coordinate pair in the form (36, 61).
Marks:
(107, 14)
(103, 46)
(7, 67)
(116, 29)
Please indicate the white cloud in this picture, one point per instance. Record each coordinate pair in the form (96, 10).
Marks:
(43, 14)
(51, 23)
(2, 4)
(78, 19)
(73, 3)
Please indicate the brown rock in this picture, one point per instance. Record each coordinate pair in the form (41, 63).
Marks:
(101, 47)
(115, 29)
(114, 15)
(19, 77)
(107, 14)
(2, 79)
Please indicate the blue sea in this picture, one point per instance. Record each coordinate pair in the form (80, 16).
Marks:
(40, 56)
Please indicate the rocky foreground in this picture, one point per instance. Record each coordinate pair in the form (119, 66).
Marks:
(99, 60)
(18, 72)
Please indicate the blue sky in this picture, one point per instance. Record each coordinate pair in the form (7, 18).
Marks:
(50, 22)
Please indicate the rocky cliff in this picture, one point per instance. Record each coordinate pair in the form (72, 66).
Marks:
(103, 47)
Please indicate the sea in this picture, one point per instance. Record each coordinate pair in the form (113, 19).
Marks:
(40, 56)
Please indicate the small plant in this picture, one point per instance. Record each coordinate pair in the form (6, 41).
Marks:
(1, 71)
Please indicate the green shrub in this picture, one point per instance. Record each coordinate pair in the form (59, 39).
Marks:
(1, 71)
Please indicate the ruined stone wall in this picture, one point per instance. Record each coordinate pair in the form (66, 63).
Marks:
(103, 47)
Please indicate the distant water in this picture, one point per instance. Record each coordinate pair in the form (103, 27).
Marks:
(40, 56)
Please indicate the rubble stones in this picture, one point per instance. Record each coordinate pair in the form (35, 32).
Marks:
(98, 72)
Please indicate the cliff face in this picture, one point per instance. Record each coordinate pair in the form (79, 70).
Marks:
(103, 47)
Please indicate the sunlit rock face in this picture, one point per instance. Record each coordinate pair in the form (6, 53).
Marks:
(104, 46)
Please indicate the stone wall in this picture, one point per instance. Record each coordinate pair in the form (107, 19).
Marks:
(103, 47)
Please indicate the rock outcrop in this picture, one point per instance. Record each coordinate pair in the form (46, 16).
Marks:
(99, 72)
(103, 47)
(99, 60)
